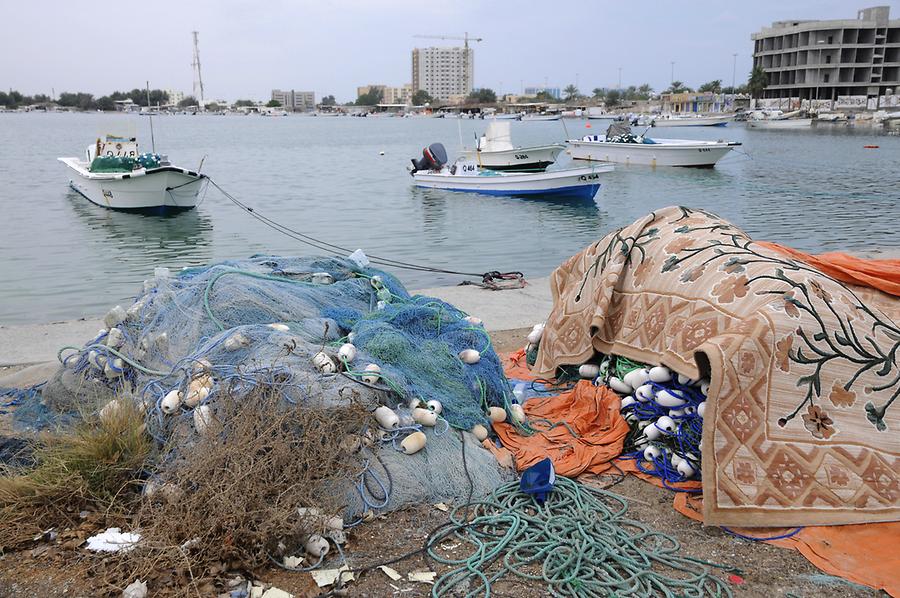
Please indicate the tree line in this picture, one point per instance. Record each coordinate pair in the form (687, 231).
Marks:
(85, 101)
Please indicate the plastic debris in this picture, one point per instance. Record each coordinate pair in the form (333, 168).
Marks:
(442, 507)
(136, 589)
(422, 576)
(276, 593)
(327, 577)
(113, 540)
(392, 573)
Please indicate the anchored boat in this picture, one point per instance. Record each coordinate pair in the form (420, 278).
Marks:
(495, 151)
(624, 147)
(115, 175)
(684, 120)
(776, 119)
(432, 171)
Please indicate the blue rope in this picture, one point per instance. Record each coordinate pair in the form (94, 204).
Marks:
(757, 539)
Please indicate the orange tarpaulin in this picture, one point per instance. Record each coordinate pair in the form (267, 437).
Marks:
(867, 554)
(590, 412)
(883, 275)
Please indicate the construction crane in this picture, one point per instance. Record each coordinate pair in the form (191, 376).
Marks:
(466, 39)
(198, 78)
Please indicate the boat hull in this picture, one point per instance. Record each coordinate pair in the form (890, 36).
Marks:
(702, 121)
(788, 123)
(159, 190)
(574, 183)
(685, 154)
(520, 158)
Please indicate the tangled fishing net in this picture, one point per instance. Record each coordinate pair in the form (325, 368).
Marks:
(284, 323)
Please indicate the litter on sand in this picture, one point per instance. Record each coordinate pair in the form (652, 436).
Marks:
(113, 540)
(422, 576)
(392, 573)
(327, 577)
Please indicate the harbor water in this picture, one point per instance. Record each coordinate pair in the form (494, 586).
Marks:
(344, 180)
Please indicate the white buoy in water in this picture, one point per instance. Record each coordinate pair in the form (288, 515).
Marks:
(685, 469)
(387, 418)
(202, 419)
(279, 327)
(497, 414)
(627, 402)
(517, 412)
(652, 452)
(115, 316)
(644, 393)
(425, 417)
(473, 320)
(435, 406)
(347, 352)
(666, 424)
(324, 363)
(470, 356)
(660, 374)
(620, 386)
(668, 399)
(316, 546)
(589, 371)
(480, 432)
(115, 338)
(413, 443)
(372, 373)
(171, 402)
(701, 408)
(381, 153)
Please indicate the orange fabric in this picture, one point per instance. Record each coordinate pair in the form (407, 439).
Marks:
(883, 275)
(515, 366)
(867, 554)
(592, 413)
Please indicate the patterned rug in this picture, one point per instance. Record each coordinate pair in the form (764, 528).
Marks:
(799, 427)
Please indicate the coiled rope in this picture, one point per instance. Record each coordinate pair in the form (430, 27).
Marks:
(579, 543)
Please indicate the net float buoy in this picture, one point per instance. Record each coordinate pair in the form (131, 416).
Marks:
(347, 352)
(684, 380)
(480, 432)
(92, 359)
(322, 278)
(473, 320)
(114, 368)
(701, 408)
(171, 402)
(534, 337)
(317, 546)
(704, 387)
(202, 419)
(324, 363)
(668, 399)
(517, 412)
(196, 395)
(677, 413)
(435, 406)
(652, 452)
(675, 460)
(645, 393)
(279, 327)
(425, 417)
(620, 386)
(651, 432)
(497, 414)
(660, 374)
(641, 377)
(115, 316)
(666, 424)
(627, 402)
(589, 371)
(413, 443)
(351, 338)
(470, 356)
(685, 469)
(115, 338)
(387, 418)
(372, 373)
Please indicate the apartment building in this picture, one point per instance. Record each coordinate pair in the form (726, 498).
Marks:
(295, 101)
(443, 72)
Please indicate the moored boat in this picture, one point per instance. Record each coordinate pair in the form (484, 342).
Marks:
(432, 171)
(116, 176)
(776, 119)
(495, 151)
(621, 146)
(684, 120)
(540, 116)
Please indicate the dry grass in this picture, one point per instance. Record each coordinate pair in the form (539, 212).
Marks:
(93, 466)
(228, 500)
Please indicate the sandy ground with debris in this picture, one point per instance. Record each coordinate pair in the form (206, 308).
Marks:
(63, 567)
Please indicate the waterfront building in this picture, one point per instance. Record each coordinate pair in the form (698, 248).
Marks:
(295, 101)
(389, 95)
(175, 96)
(443, 72)
(846, 63)
(554, 92)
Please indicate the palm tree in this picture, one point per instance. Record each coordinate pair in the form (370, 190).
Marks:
(645, 91)
(571, 92)
(599, 93)
(757, 82)
(677, 87)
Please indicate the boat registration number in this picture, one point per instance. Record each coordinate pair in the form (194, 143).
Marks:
(521, 156)
(704, 149)
(467, 168)
(589, 177)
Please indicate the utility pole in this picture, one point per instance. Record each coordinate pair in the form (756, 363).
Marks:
(672, 76)
(620, 79)
(198, 78)
(733, 71)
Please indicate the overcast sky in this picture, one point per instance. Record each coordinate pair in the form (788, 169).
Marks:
(332, 46)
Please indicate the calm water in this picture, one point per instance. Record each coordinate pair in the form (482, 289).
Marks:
(63, 257)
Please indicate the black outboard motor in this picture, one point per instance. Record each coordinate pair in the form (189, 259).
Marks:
(433, 158)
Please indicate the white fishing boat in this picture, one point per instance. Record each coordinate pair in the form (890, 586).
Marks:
(495, 151)
(776, 119)
(115, 175)
(537, 117)
(502, 116)
(433, 172)
(621, 146)
(686, 120)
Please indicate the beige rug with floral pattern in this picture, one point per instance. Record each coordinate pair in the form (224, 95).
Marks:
(799, 427)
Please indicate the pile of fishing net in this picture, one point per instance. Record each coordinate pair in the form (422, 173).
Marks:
(323, 332)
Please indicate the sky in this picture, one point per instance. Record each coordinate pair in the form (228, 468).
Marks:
(333, 46)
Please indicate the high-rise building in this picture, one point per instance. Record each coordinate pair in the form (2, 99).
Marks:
(850, 63)
(553, 92)
(175, 96)
(296, 101)
(443, 72)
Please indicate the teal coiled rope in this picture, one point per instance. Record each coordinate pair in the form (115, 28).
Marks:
(578, 543)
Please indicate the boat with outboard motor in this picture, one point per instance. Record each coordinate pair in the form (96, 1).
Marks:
(432, 171)
(776, 119)
(115, 175)
(494, 150)
(622, 146)
(689, 120)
